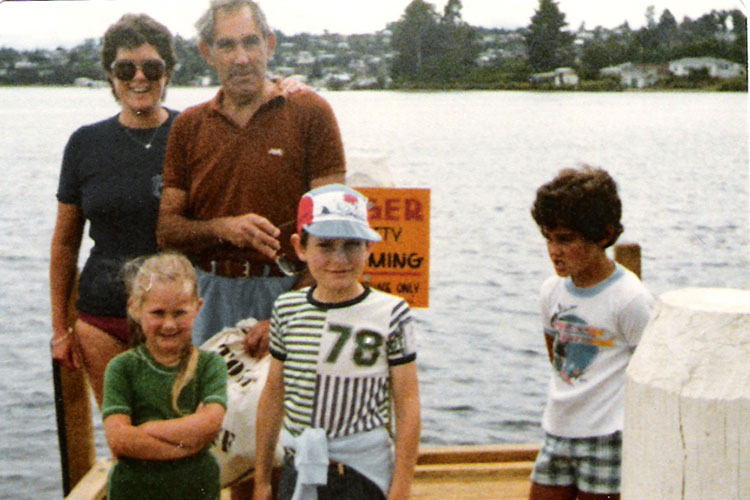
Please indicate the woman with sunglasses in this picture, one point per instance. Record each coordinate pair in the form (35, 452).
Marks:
(110, 177)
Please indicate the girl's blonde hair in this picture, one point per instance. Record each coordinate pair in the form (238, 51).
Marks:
(140, 275)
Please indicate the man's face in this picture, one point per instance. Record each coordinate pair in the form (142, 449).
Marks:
(239, 53)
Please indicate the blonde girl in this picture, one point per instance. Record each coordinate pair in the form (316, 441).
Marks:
(164, 400)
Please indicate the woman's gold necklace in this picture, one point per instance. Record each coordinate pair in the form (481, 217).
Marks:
(146, 145)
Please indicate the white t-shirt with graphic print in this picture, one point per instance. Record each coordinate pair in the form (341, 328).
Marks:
(595, 332)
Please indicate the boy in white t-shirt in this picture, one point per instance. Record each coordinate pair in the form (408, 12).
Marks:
(339, 351)
(594, 312)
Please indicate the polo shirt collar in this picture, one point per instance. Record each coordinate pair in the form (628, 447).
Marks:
(215, 103)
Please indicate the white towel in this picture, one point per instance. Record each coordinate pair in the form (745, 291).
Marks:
(311, 461)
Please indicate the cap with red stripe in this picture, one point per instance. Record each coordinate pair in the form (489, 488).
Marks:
(335, 211)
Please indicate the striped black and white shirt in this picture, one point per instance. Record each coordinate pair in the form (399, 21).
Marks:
(337, 358)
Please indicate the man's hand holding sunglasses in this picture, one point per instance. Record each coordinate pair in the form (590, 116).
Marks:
(250, 230)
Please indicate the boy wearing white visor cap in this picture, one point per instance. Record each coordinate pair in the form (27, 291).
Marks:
(340, 351)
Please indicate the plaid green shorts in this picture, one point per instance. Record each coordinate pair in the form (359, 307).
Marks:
(590, 464)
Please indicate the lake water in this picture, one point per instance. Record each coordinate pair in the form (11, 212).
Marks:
(681, 161)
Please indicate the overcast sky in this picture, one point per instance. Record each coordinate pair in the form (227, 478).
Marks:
(28, 24)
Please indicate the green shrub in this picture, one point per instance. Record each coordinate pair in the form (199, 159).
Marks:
(603, 85)
(736, 84)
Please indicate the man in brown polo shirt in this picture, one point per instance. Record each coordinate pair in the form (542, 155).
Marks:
(235, 168)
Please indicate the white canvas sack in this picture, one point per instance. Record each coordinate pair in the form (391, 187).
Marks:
(234, 449)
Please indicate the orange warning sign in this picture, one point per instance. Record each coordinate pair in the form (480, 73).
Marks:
(399, 263)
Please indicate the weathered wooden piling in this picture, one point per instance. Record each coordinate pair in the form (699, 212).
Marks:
(687, 403)
(629, 255)
(74, 425)
(75, 430)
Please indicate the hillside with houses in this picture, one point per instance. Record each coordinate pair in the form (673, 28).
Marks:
(687, 72)
(444, 52)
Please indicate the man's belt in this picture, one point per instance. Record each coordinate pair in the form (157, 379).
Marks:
(237, 268)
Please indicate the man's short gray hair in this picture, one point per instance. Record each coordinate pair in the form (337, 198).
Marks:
(206, 24)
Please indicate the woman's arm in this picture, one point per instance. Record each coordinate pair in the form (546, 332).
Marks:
(64, 248)
(267, 428)
(193, 431)
(406, 406)
(126, 440)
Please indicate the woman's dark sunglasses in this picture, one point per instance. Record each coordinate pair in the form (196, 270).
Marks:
(153, 69)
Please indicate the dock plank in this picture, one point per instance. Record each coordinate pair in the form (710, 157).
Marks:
(488, 489)
(474, 472)
(93, 485)
(480, 472)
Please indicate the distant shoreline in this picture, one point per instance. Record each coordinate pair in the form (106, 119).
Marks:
(594, 86)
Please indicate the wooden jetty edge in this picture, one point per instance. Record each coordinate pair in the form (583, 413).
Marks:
(468, 472)
(481, 472)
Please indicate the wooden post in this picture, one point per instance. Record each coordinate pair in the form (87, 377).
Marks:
(629, 255)
(687, 400)
(74, 428)
(75, 431)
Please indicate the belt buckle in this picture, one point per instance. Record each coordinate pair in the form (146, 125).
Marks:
(246, 269)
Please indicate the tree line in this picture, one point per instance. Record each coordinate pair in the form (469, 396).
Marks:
(63, 67)
(440, 50)
(430, 49)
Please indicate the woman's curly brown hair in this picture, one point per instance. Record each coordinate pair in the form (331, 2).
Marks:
(130, 32)
(133, 30)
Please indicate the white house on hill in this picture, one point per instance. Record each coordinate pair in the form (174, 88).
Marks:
(717, 68)
(637, 75)
(645, 75)
(560, 77)
(566, 77)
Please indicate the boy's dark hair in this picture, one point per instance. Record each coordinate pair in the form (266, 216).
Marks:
(584, 200)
